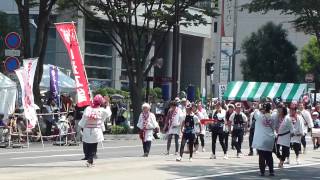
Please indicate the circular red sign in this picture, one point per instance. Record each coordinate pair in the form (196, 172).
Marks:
(13, 40)
(11, 64)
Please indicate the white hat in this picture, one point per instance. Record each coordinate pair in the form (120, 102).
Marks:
(146, 105)
(183, 99)
(315, 114)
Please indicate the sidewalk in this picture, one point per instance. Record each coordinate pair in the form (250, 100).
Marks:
(121, 137)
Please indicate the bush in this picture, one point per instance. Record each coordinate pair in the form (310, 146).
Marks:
(110, 91)
(119, 129)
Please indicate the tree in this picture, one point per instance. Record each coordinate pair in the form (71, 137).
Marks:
(310, 59)
(305, 12)
(135, 26)
(39, 47)
(269, 56)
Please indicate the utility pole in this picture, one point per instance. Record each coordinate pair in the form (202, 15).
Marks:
(175, 51)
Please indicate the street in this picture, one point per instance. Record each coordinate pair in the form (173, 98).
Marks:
(121, 159)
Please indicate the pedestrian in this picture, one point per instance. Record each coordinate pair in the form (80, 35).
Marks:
(284, 136)
(188, 132)
(147, 124)
(238, 121)
(200, 128)
(173, 125)
(216, 128)
(316, 130)
(298, 130)
(227, 127)
(307, 124)
(264, 138)
(92, 122)
(251, 126)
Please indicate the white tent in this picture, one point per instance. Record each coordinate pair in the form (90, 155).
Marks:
(8, 94)
(65, 83)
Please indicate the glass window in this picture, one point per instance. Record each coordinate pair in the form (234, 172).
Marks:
(92, 60)
(98, 49)
(96, 84)
(99, 73)
(124, 86)
(96, 36)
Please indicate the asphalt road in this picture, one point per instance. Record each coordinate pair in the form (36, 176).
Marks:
(121, 159)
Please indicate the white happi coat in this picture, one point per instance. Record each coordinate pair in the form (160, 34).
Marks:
(264, 135)
(175, 125)
(285, 126)
(200, 116)
(151, 125)
(92, 123)
(297, 129)
(307, 120)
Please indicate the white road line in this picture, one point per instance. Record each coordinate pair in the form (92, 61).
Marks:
(78, 149)
(50, 156)
(243, 172)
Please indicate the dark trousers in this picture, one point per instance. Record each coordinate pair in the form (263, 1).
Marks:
(190, 138)
(226, 139)
(176, 140)
(91, 149)
(85, 150)
(146, 147)
(237, 138)
(265, 158)
(48, 128)
(201, 137)
(283, 153)
(251, 139)
(214, 139)
(303, 141)
(296, 148)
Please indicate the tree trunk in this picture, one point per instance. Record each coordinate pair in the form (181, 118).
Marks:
(136, 97)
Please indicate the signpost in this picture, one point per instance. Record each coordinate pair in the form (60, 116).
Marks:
(12, 42)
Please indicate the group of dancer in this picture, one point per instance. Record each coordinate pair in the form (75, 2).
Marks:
(273, 126)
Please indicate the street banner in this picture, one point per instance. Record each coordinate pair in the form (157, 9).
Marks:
(68, 34)
(54, 88)
(25, 75)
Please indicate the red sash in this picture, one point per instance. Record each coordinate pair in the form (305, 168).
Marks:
(142, 133)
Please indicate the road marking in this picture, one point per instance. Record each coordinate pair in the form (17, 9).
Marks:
(243, 172)
(50, 156)
(78, 149)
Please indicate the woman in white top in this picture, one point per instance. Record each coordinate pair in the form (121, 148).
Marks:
(264, 137)
(92, 123)
(172, 126)
(147, 123)
(297, 122)
(284, 135)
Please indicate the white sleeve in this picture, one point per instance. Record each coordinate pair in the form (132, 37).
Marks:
(154, 121)
(232, 118)
(309, 120)
(244, 117)
(82, 122)
(140, 122)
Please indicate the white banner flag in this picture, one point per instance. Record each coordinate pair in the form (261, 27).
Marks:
(26, 75)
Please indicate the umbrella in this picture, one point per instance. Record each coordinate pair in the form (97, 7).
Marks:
(116, 96)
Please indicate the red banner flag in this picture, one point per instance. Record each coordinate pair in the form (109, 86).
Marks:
(68, 34)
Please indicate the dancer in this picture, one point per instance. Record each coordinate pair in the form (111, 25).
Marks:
(252, 126)
(200, 128)
(147, 123)
(264, 138)
(173, 125)
(238, 121)
(92, 122)
(188, 132)
(315, 130)
(307, 124)
(227, 127)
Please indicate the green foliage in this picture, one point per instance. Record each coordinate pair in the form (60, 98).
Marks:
(198, 94)
(120, 129)
(310, 57)
(306, 13)
(269, 56)
(110, 91)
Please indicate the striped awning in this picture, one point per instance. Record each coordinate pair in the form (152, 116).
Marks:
(253, 91)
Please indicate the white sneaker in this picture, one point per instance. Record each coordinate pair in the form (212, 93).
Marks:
(178, 158)
(196, 152)
(190, 159)
(305, 151)
(298, 161)
(203, 150)
(288, 161)
(213, 156)
(238, 155)
(225, 156)
(166, 153)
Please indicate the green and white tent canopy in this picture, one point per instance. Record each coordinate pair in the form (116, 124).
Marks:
(253, 91)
